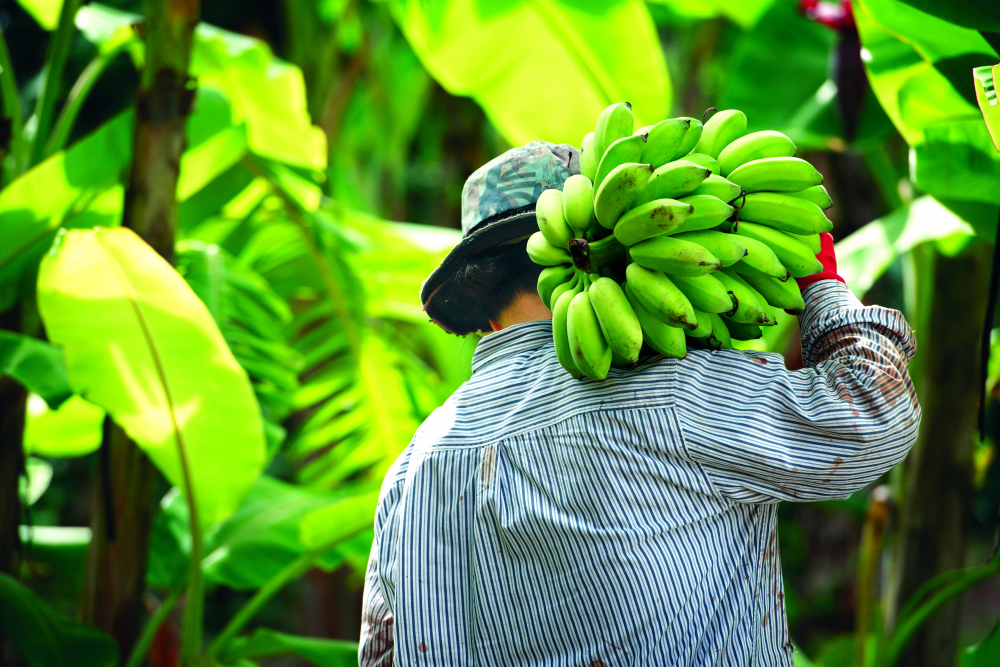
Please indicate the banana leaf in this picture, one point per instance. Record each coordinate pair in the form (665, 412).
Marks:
(266, 643)
(72, 430)
(38, 366)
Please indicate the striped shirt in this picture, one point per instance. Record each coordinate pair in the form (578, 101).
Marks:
(540, 520)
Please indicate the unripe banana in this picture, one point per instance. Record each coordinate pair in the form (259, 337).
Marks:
(542, 252)
(618, 321)
(619, 190)
(817, 194)
(672, 180)
(551, 219)
(709, 212)
(661, 297)
(552, 277)
(705, 293)
(660, 216)
(576, 280)
(748, 311)
(591, 351)
(643, 130)
(664, 140)
(691, 137)
(718, 187)
(627, 149)
(706, 161)
(793, 254)
(760, 260)
(704, 328)
(755, 146)
(784, 295)
(725, 247)
(578, 204)
(614, 123)
(560, 330)
(741, 331)
(674, 256)
(720, 338)
(775, 174)
(588, 157)
(662, 338)
(785, 212)
(811, 241)
(765, 307)
(721, 130)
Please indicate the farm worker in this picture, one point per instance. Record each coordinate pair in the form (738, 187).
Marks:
(536, 519)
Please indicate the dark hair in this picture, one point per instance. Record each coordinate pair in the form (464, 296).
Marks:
(491, 280)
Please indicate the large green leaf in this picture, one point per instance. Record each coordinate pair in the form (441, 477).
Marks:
(72, 430)
(746, 13)
(156, 361)
(975, 14)
(542, 69)
(38, 366)
(46, 12)
(266, 643)
(46, 638)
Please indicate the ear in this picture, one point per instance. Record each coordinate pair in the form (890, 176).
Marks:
(495, 325)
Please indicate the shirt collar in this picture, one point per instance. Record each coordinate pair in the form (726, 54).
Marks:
(508, 342)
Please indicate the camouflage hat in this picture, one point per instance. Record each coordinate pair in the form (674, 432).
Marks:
(498, 207)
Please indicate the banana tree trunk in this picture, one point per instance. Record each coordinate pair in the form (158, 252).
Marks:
(938, 486)
(123, 492)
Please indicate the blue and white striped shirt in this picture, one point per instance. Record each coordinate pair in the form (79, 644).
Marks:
(540, 520)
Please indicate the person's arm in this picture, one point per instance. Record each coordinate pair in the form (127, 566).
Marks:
(376, 646)
(763, 433)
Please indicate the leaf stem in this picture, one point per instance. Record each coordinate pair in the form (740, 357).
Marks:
(11, 104)
(55, 64)
(141, 648)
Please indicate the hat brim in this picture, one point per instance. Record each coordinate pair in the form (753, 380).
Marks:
(451, 311)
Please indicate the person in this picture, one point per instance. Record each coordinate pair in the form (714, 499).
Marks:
(536, 519)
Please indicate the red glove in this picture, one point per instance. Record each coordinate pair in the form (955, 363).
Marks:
(829, 261)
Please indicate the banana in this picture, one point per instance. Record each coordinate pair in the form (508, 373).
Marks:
(775, 174)
(552, 277)
(574, 281)
(704, 329)
(560, 330)
(811, 241)
(578, 204)
(619, 190)
(706, 161)
(643, 130)
(765, 307)
(748, 311)
(551, 219)
(672, 180)
(721, 130)
(781, 294)
(674, 256)
(760, 260)
(588, 161)
(591, 351)
(664, 140)
(661, 297)
(542, 252)
(720, 338)
(727, 249)
(661, 337)
(792, 253)
(618, 321)
(716, 186)
(614, 123)
(660, 216)
(709, 212)
(755, 146)
(628, 149)
(742, 331)
(817, 194)
(705, 293)
(691, 137)
(785, 212)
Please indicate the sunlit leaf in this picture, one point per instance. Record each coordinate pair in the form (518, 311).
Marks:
(542, 69)
(47, 638)
(205, 162)
(746, 13)
(38, 366)
(72, 430)
(266, 643)
(46, 12)
(338, 520)
(38, 476)
(156, 361)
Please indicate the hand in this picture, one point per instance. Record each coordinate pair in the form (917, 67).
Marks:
(829, 261)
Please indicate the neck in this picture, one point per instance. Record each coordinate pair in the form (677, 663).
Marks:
(525, 308)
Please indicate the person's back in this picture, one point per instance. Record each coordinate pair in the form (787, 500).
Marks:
(536, 519)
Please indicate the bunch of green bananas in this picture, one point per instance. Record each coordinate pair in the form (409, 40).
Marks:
(707, 223)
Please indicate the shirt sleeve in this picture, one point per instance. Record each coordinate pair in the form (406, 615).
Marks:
(763, 433)
(377, 640)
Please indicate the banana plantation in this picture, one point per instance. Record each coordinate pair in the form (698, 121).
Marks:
(216, 218)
